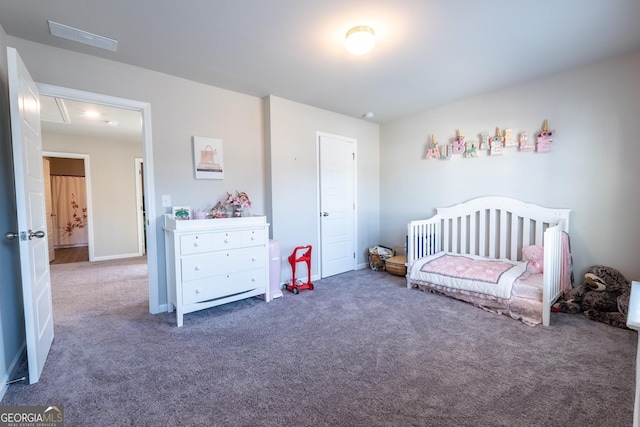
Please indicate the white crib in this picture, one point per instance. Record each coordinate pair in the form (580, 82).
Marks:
(495, 227)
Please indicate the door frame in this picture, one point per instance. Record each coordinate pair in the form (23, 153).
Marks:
(353, 141)
(87, 190)
(139, 171)
(149, 188)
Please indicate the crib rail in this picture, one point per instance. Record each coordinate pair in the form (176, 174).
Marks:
(552, 286)
(494, 227)
(424, 238)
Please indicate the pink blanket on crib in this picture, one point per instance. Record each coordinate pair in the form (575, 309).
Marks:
(461, 267)
(470, 273)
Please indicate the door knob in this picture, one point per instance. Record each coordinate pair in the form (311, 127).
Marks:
(38, 234)
(10, 235)
(325, 213)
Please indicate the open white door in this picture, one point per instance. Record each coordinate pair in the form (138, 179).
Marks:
(337, 205)
(46, 163)
(140, 205)
(24, 105)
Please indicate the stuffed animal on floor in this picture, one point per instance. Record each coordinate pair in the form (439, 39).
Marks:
(604, 297)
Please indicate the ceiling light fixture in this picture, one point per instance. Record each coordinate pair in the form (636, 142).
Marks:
(360, 40)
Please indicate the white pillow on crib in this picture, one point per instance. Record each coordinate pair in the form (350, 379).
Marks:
(535, 255)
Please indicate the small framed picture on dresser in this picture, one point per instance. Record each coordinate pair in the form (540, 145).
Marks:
(181, 213)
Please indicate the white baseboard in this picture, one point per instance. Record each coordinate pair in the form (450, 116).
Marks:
(8, 376)
(162, 308)
(119, 256)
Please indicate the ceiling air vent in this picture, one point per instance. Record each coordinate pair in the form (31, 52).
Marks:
(80, 36)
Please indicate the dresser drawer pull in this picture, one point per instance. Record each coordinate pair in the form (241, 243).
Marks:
(196, 243)
(198, 291)
(253, 279)
(197, 268)
(253, 258)
(226, 240)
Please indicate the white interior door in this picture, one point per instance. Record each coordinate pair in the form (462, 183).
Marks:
(24, 106)
(337, 205)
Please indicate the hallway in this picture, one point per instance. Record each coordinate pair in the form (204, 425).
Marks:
(74, 254)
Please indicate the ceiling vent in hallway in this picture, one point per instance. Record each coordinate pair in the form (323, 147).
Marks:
(81, 36)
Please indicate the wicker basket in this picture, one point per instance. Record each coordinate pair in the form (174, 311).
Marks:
(378, 255)
(396, 265)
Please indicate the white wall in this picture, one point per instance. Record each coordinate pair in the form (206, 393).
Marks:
(293, 176)
(593, 168)
(113, 190)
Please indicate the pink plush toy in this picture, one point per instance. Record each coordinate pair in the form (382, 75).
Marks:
(535, 255)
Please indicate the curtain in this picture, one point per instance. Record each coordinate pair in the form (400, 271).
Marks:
(69, 197)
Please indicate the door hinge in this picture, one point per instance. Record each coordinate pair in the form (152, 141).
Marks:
(354, 155)
(354, 255)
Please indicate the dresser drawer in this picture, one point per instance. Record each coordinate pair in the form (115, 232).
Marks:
(239, 239)
(223, 285)
(196, 243)
(215, 263)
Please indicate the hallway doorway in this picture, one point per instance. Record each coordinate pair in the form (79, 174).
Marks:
(144, 110)
(68, 222)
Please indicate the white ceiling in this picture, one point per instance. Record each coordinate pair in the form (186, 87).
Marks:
(428, 52)
(70, 117)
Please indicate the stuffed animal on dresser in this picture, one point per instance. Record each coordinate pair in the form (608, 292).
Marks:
(603, 296)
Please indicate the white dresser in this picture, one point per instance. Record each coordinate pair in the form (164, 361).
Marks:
(215, 261)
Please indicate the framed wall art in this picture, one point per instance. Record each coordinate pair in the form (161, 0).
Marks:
(208, 161)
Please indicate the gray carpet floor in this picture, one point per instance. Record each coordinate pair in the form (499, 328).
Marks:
(359, 350)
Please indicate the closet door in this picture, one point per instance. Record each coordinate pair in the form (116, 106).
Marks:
(337, 205)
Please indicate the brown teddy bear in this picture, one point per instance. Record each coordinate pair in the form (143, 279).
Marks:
(604, 297)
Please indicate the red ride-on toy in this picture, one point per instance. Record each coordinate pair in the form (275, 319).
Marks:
(296, 286)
